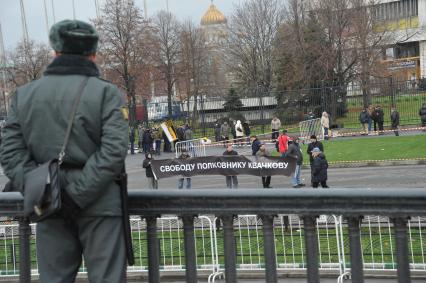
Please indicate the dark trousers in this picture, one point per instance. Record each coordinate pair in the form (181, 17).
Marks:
(167, 146)
(380, 127)
(323, 184)
(157, 146)
(395, 130)
(266, 181)
(275, 134)
(232, 182)
(132, 147)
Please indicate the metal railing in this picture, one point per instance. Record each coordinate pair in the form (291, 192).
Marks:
(254, 218)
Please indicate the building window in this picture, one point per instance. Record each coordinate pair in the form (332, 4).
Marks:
(397, 10)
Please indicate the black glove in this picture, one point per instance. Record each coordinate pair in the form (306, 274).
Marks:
(69, 209)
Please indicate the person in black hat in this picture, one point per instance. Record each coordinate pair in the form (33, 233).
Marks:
(89, 221)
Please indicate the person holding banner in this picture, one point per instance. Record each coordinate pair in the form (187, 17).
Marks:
(260, 154)
(184, 155)
(231, 181)
(147, 165)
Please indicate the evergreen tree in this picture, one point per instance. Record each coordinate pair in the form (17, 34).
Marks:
(233, 105)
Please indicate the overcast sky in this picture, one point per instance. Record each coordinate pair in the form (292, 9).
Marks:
(10, 14)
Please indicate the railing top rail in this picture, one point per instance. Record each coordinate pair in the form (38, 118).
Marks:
(389, 202)
(11, 204)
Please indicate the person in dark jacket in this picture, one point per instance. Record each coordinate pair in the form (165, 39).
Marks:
(379, 116)
(89, 222)
(167, 143)
(295, 151)
(184, 155)
(231, 181)
(247, 131)
(147, 141)
(314, 143)
(395, 121)
(147, 165)
(422, 114)
(255, 145)
(363, 119)
(319, 169)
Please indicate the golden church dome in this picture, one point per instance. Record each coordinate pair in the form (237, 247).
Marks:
(213, 16)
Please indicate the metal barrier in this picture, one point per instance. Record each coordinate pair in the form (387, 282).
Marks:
(195, 148)
(311, 127)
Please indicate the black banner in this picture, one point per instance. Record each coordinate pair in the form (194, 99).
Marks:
(224, 165)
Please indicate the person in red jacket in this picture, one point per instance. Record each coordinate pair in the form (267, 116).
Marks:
(283, 143)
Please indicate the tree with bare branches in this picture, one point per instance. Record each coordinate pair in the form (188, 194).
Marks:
(123, 50)
(27, 62)
(193, 57)
(166, 54)
(253, 28)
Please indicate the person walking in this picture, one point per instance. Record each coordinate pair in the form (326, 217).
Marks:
(153, 184)
(275, 128)
(261, 154)
(379, 118)
(239, 133)
(394, 121)
(319, 169)
(231, 181)
(184, 155)
(283, 143)
(295, 151)
(422, 114)
(364, 119)
(325, 124)
(90, 219)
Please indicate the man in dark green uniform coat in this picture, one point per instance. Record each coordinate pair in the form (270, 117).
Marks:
(89, 222)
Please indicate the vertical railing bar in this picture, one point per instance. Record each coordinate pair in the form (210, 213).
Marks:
(153, 250)
(190, 253)
(292, 245)
(163, 241)
(171, 241)
(179, 247)
(283, 238)
(355, 250)
(249, 239)
(240, 237)
(269, 248)
(311, 246)
(229, 249)
(403, 264)
(139, 240)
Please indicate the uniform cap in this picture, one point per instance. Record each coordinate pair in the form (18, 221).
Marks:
(73, 37)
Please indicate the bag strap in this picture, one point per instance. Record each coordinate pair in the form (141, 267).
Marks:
(78, 94)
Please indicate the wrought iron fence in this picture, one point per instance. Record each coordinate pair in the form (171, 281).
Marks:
(343, 103)
(327, 230)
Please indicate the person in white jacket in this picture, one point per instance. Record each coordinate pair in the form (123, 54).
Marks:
(239, 131)
(325, 124)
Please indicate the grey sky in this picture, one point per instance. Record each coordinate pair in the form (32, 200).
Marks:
(10, 15)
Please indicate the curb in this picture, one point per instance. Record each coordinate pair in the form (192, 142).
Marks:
(374, 163)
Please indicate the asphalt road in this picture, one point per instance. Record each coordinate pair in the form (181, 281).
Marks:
(407, 176)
